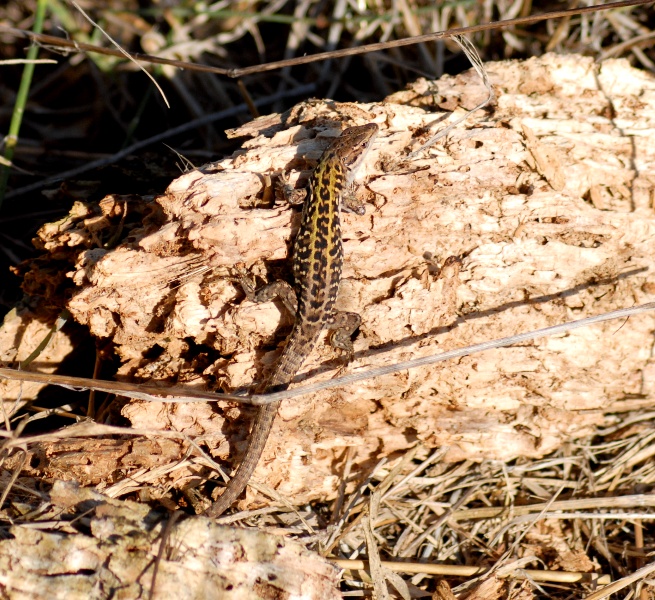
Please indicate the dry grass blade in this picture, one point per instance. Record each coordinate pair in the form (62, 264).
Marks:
(458, 571)
(473, 56)
(121, 50)
(617, 586)
(182, 395)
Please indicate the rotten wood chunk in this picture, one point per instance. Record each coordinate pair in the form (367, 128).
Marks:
(119, 551)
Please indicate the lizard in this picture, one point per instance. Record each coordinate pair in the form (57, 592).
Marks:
(317, 260)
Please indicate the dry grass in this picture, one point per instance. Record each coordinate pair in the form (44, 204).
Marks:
(559, 527)
(585, 510)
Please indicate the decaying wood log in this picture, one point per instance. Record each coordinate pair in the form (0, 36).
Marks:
(106, 548)
(546, 201)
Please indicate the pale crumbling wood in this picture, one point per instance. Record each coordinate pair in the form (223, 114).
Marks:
(547, 201)
(111, 547)
(22, 330)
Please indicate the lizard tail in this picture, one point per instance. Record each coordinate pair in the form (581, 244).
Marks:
(298, 346)
(260, 431)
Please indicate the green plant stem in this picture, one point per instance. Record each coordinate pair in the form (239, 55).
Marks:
(21, 100)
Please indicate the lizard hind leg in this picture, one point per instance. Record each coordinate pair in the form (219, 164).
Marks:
(351, 203)
(343, 325)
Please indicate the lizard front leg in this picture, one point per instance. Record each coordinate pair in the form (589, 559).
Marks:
(279, 289)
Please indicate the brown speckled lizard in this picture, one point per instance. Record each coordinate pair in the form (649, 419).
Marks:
(317, 263)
